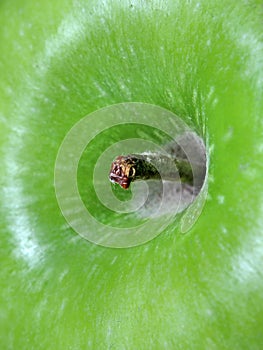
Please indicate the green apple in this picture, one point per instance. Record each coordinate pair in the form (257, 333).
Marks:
(63, 60)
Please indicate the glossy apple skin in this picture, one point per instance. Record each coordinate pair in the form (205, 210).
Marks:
(60, 61)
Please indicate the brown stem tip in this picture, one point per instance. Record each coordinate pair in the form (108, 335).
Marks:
(122, 171)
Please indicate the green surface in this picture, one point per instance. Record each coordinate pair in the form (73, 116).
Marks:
(62, 60)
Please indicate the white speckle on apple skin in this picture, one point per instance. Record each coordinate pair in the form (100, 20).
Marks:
(220, 199)
(229, 134)
(114, 260)
(247, 262)
(62, 275)
(224, 230)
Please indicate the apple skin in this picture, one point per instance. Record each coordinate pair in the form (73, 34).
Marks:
(59, 62)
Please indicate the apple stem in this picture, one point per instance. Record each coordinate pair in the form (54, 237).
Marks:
(146, 166)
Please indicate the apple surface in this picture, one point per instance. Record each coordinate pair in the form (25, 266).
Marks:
(61, 61)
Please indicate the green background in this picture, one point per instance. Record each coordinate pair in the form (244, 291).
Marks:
(60, 61)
